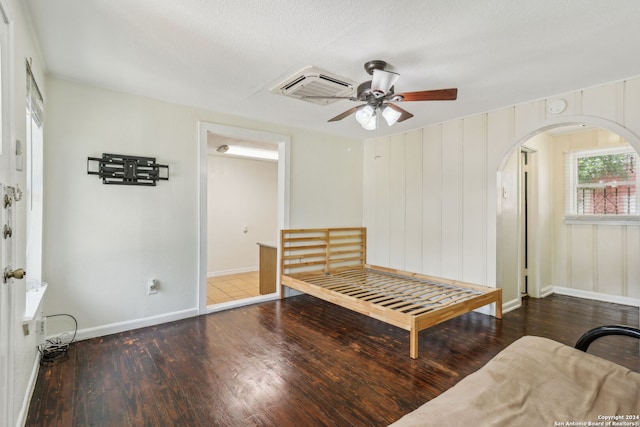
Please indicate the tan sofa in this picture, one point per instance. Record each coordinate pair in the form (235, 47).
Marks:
(539, 382)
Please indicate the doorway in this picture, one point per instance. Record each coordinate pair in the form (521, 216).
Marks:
(542, 246)
(526, 172)
(527, 212)
(225, 152)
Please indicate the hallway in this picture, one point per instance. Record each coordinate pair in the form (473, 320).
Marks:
(232, 287)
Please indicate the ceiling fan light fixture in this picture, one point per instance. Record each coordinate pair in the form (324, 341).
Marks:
(365, 116)
(379, 98)
(382, 82)
(390, 115)
(370, 125)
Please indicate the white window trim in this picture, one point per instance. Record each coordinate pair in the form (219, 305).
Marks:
(570, 204)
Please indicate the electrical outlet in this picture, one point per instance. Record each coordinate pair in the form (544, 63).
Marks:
(152, 287)
(41, 326)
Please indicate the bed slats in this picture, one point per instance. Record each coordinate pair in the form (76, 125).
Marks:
(393, 291)
(330, 263)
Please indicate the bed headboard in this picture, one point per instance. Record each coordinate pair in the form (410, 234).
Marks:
(326, 250)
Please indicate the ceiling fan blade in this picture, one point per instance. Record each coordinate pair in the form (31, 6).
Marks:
(382, 81)
(404, 114)
(350, 98)
(344, 114)
(430, 95)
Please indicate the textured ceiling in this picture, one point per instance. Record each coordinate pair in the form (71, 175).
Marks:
(225, 55)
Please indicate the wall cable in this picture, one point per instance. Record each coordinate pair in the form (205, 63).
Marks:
(55, 349)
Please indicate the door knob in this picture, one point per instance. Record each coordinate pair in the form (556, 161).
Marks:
(13, 274)
(7, 232)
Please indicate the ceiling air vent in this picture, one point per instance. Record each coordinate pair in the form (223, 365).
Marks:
(312, 81)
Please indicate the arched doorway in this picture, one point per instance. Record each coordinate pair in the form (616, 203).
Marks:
(539, 249)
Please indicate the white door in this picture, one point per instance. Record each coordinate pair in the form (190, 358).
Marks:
(7, 305)
(7, 208)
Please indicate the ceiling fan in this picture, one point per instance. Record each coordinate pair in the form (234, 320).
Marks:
(379, 97)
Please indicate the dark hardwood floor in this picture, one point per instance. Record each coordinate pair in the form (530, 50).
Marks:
(297, 362)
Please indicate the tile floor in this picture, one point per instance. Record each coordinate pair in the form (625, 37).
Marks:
(232, 287)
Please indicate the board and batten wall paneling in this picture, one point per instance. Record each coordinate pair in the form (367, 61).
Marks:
(561, 269)
(632, 248)
(452, 136)
(463, 203)
(609, 265)
(631, 105)
(369, 196)
(527, 116)
(582, 257)
(595, 258)
(397, 202)
(414, 201)
(574, 105)
(474, 227)
(601, 101)
(499, 133)
(432, 200)
(382, 185)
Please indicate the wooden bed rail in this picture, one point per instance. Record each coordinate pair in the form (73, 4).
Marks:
(330, 264)
(310, 250)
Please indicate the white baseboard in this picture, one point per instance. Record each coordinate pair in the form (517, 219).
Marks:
(114, 328)
(290, 292)
(241, 303)
(516, 303)
(233, 271)
(597, 296)
(489, 309)
(546, 291)
(511, 305)
(31, 385)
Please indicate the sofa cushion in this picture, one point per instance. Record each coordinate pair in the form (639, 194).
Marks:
(535, 381)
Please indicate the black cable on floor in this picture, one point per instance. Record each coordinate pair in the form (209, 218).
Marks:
(55, 349)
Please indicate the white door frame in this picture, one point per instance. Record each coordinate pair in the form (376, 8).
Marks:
(8, 300)
(283, 142)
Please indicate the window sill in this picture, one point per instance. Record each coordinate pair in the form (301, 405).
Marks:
(602, 219)
(33, 302)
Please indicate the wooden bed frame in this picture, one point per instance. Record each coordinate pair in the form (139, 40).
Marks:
(330, 263)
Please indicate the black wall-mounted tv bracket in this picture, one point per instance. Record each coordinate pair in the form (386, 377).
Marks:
(121, 169)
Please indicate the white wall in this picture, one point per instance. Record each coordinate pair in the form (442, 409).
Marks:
(509, 238)
(451, 196)
(102, 243)
(593, 258)
(241, 192)
(24, 353)
(326, 181)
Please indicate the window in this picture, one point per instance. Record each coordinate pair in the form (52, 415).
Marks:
(35, 183)
(601, 185)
